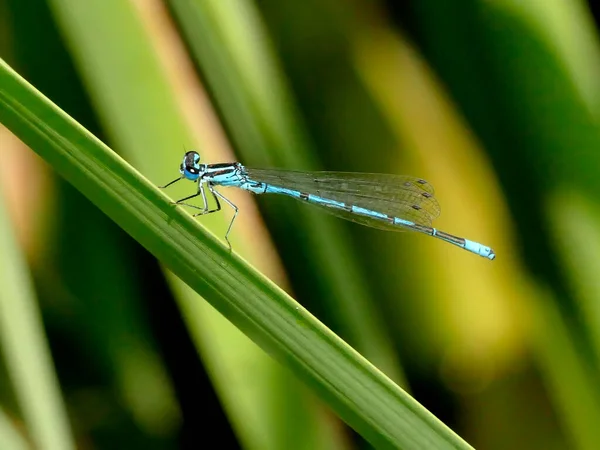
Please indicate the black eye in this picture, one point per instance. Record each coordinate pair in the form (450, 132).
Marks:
(191, 169)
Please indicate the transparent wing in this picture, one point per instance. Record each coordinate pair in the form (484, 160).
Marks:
(406, 197)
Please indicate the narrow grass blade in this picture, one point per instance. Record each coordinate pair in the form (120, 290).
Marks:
(26, 352)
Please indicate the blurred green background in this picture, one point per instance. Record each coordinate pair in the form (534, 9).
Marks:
(496, 103)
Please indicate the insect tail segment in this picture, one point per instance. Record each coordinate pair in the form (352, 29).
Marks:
(471, 246)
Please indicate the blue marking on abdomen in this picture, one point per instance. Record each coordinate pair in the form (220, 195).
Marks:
(324, 201)
(479, 249)
(369, 212)
(279, 190)
(407, 223)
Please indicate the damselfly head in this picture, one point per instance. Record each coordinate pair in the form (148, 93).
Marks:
(190, 166)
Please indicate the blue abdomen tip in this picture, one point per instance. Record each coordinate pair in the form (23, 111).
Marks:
(479, 249)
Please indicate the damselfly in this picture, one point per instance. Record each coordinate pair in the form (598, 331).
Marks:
(389, 202)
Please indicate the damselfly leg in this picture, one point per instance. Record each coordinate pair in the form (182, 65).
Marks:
(200, 191)
(206, 210)
(170, 183)
(235, 209)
